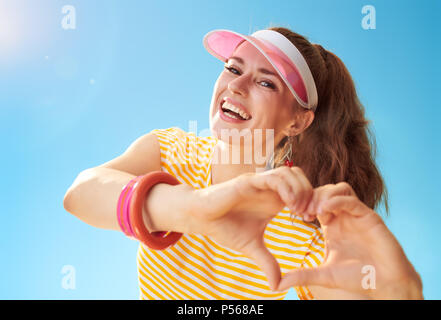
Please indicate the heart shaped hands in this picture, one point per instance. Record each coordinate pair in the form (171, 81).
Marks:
(235, 214)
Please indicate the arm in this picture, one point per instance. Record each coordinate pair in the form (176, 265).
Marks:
(94, 194)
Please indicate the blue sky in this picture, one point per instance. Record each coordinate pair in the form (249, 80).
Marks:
(74, 99)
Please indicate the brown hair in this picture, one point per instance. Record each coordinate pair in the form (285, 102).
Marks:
(338, 145)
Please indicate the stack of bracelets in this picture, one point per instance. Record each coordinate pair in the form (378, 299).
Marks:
(130, 210)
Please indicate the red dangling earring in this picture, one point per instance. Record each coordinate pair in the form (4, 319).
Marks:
(288, 155)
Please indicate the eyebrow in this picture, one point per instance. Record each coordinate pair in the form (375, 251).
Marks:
(262, 70)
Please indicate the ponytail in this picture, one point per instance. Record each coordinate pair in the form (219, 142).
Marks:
(338, 145)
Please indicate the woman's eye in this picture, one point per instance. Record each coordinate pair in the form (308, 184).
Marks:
(231, 70)
(270, 85)
(234, 70)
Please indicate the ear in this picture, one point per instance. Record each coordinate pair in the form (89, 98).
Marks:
(302, 120)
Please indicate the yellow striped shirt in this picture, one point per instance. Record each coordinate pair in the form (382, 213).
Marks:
(197, 267)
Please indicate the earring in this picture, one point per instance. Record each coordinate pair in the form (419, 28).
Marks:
(288, 155)
(270, 163)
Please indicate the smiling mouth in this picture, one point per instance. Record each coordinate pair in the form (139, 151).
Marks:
(233, 112)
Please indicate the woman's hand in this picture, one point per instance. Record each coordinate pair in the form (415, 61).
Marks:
(355, 237)
(235, 213)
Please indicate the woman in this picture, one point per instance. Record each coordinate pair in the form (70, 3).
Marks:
(247, 222)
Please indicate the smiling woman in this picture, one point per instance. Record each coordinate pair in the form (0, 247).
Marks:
(238, 232)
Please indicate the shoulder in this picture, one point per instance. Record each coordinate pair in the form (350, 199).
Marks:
(169, 134)
(175, 136)
(170, 139)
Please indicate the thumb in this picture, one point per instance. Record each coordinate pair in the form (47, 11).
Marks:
(320, 276)
(260, 254)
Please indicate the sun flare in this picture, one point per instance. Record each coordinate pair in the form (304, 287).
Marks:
(9, 32)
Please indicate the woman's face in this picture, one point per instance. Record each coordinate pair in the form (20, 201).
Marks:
(264, 97)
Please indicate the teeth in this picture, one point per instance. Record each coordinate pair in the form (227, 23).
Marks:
(232, 107)
(232, 116)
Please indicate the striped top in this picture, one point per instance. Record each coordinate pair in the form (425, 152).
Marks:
(196, 267)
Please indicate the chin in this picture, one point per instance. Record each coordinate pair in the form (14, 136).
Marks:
(215, 128)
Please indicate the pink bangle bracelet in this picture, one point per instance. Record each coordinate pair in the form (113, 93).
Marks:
(119, 209)
(126, 212)
(158, 240)
(124, 223)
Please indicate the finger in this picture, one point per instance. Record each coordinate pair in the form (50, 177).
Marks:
(300, 187)
(320, 195)
(323, 193)
(345, 204)
(275, 183)
(324, 217)
(312, 203)
(266, 262)
(294, 186)
(306, 189)
(320, 276)
(312, 209)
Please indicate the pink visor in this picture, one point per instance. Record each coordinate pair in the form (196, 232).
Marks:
(278, 50)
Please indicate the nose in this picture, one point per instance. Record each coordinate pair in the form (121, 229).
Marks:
(239, 85)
